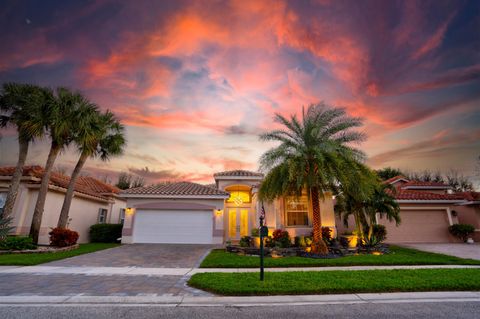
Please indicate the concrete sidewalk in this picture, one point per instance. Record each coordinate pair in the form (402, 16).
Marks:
(187, 301)
(136, 271)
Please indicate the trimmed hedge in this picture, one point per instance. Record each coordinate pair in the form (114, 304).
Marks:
(105, 233)
(17, 243)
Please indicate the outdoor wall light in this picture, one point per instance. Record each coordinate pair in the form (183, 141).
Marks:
(218, 212)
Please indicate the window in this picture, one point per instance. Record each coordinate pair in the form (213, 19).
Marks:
(239, 197)
(122, 215)
(296, 211)
(3, 198)
(102, 215)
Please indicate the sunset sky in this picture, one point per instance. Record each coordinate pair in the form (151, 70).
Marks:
(195, 82)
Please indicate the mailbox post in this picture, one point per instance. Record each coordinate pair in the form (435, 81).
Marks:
(263, 234)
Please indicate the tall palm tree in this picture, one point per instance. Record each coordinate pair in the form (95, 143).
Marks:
(101, 135)
(61, 115)
(22, 106)
(315, 155)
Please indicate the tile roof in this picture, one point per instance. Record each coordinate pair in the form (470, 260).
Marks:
(239, 172)
(426, 184)
(393, 179)
(84, 184)
(471, 196)
(176, 189)
(403, 194)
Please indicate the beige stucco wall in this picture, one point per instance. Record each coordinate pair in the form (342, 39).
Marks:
(83, 213)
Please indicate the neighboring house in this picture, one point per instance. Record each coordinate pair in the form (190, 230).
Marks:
(187, 212)
(426, 210)
(94, 202)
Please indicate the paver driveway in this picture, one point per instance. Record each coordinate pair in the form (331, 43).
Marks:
(457, 250)
(141, 255)
(136, 255)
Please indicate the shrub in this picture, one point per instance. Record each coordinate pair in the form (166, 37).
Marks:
(279, 233)
(105, 233)
(371, 243)
(344, 241)
(300, 241)
(255, 232)
(17, 243)
(246, 241)
(269, 242)
(281, 238)
(327, 234)
(63, 237)
(380, 232)
(308, 240)
(461, 231)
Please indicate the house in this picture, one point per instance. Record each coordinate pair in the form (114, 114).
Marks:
(94, 202)
(186, 212)
(426, 210)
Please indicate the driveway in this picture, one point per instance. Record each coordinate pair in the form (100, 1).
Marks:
(136, 255)
(141, 255)
(470, 251)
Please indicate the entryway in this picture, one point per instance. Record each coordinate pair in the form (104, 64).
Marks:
(237, 222)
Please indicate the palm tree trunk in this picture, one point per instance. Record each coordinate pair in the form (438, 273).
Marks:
(63, 219)
(317, 219)
(42, 193)
(16, 178)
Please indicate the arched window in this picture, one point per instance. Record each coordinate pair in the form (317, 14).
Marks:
(239, 195)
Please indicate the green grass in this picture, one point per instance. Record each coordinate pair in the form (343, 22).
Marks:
(40, 258)
(338, 282)
(219, 258)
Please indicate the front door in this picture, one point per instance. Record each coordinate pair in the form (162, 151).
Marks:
(237, 223)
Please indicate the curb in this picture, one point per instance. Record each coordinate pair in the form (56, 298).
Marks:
(251, 301)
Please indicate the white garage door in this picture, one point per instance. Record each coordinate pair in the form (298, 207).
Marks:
(173, 226)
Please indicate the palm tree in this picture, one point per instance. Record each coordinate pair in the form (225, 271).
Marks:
(22, 105)
(315, 155)
(384, 204)
(100, 135)
(61, 116)
(364, 200)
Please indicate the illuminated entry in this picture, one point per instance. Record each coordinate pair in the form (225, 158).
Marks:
(239, 197)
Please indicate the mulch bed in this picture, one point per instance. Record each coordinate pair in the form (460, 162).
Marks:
(40, 250)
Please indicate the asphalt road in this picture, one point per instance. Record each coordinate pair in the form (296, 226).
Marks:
(394, 310)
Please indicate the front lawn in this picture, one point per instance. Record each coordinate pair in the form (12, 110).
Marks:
(40, 258)
(219, 258)
(338, 282)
